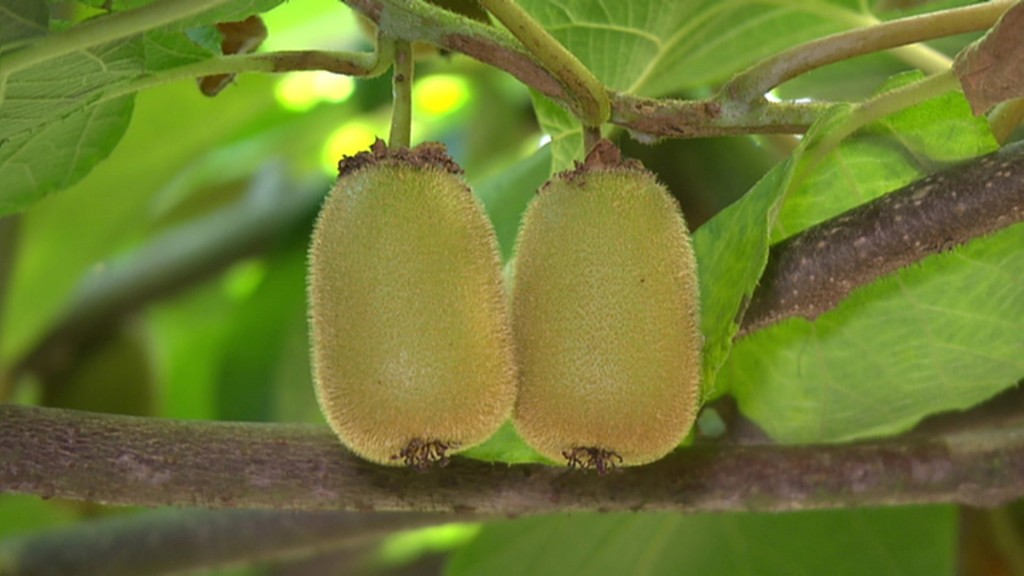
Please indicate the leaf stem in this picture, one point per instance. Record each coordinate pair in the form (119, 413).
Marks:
(1005, 119)
(876, 108)
(363, 64)
(752, 84)
(589, 96)
(401, 88)
(105, 29)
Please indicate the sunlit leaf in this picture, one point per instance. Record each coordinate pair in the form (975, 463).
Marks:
(904, 541)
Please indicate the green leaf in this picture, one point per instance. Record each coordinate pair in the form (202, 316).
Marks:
(165, 49)
(64, 115)
(23, 513)
(564, 130)
(940, 335)
(933, 337)
(507, 447)
(73, 233)
(732, 251)
(886, 155)
(654, 48)
(506, 195)
(226, 12)
(907, 541)
(34, 164)
(21, 20)
(42, 94)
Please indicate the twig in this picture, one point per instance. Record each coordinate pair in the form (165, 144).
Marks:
(876, 108)
(644, 117)
(146, 461)
(102, 30)
(754, 82)
(810, 273)
(401, 90)
(1006, 118)
(648, 119)
(588, 97)
(172, 541)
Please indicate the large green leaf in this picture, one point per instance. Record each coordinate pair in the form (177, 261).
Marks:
(654, 48)
(58, 154)
(732, 251)
(21, 20)
(897, 541)
(936, 336)
(506, 195)
(886, 155)
(64, 115)
(228, 11)
(72, 233)
(941, 335)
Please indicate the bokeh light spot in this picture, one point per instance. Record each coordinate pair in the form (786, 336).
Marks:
(349, 139)
(440, 94)
(300, 91)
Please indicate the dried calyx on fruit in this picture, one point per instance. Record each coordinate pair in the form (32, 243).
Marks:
(412, 349)
(605, 317)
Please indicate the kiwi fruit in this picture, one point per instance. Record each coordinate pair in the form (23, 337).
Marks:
(605, 314)
(411, 336)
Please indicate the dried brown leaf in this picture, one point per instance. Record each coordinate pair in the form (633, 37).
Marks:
(992, 69)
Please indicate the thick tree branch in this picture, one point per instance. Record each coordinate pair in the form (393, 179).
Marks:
(173, 541)
(192, 539)
(144, 461)
(810, 273)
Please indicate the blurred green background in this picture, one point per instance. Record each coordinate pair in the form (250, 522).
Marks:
(232, 343)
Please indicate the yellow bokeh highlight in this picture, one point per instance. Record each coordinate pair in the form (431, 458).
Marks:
(300, 91)
(351, 138)
(439, 95)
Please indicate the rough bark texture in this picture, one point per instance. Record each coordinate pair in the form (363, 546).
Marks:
(811, 272)
(152, 462)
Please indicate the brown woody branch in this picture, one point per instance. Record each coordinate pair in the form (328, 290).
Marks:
(645, 117)
(152, 462)
(811, 272)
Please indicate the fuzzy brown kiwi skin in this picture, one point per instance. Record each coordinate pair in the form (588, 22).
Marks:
(411, 342)
(606, 318)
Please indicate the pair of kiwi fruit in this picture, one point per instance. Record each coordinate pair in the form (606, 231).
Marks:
(417, 353)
